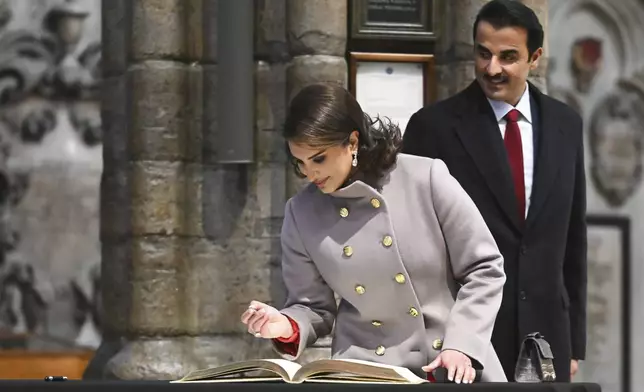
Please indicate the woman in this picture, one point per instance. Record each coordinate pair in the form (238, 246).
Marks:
(394, 235)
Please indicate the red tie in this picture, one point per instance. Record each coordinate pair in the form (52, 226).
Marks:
(515, 156)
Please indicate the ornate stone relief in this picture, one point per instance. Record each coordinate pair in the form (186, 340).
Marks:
(45, 69)
(47, 64)
(616, 137)
(613, 115)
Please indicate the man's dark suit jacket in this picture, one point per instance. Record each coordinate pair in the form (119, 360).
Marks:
(545, 257)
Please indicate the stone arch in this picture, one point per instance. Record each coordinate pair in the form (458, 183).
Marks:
(622, 19)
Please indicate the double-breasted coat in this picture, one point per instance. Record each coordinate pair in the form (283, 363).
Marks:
(414, 264)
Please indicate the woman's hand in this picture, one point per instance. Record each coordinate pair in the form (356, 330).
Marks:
(458, 365)
(264, 321)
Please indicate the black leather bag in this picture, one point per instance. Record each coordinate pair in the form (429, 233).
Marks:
(535, 360)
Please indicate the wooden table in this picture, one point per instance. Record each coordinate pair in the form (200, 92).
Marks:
(23, 364)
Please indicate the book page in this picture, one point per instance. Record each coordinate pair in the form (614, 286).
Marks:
(280, 367)
(352, 380)
(402, 371)
(357, 371)
(289, 367)
(234, 380)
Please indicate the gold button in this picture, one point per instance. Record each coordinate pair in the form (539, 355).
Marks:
(400, 278)
(360, 289)
(387, 241)
(375, 203)
(380, 350)
(344, 212)
(376, 323)
(348, 251)
(413, 312)
(437, 344)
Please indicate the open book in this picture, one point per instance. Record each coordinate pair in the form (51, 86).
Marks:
(324, 370)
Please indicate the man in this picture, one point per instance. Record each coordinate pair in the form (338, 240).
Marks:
(519, 154)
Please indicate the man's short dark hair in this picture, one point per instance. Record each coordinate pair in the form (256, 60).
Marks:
(512, 13)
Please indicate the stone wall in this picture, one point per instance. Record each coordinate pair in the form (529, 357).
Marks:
(189, 241)
(50, 131)
(598, 69)
(160, 72)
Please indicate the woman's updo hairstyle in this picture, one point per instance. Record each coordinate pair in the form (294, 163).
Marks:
(324, 115)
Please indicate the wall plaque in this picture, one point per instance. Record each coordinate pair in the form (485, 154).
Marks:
(393, 19)
(392, 85)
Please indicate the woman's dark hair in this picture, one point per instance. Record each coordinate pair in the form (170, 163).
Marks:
(511, 13)
(324, 115)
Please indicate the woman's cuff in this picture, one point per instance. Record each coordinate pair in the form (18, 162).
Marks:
(295, 337)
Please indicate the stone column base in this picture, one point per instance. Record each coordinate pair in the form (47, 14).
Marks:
(172, 358)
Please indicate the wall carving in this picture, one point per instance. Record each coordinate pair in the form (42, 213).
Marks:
(621, 19)
(607, 95)
(599, 70)
(49, 114)
(616, 136)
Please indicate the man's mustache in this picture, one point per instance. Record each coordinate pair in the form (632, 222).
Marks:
(496, 78)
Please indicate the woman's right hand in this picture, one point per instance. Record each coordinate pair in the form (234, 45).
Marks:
(264, 321)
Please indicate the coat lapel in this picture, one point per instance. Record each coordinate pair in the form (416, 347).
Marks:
(480, 135)
(548, 155)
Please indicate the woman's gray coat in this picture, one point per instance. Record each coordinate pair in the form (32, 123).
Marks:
(415, 266)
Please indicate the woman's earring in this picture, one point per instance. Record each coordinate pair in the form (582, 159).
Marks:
(354, 162)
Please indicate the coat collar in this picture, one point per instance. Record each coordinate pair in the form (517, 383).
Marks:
(360, 186)
(477, 128)
(550, 154)
(356, 189)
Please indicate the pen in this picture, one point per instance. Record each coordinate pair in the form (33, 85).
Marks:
(55, 378)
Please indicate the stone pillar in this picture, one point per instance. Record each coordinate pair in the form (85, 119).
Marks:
(317, 38)
(454, 47)
(183, 242)
(272, 57)
(539, 76)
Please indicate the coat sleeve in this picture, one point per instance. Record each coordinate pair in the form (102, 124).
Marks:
(476, 262)
(310, 302)
(575, 262)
